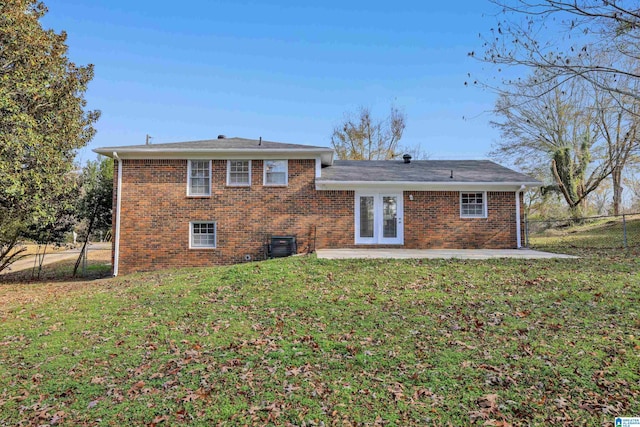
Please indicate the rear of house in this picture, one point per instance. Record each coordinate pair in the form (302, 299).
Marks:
(220, 201)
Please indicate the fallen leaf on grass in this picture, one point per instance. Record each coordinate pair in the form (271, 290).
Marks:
(97, 380)
(396, 391)
(497, 423)
(57, 418)
(462, 344)
(159, 419)
(561, 402)
(488, 401)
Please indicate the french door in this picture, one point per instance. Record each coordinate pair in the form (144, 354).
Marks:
(378, 219)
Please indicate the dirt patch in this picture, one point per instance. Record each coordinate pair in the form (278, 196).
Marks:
(32, 249)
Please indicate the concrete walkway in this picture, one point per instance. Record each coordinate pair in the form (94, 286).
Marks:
(436, 253)
(52, 257)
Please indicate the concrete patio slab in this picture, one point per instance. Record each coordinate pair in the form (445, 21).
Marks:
(436, 253)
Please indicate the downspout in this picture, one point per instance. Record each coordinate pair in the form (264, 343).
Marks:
(518, 225)
(116, 254)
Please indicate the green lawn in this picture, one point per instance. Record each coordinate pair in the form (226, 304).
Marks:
(603, 233)
(302, 341)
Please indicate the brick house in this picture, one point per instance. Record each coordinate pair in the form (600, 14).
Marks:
(219, 201)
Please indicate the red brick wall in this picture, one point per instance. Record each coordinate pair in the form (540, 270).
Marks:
(432, 220)
(156, 213)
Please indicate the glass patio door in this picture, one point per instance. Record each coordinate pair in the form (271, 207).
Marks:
(378, 219)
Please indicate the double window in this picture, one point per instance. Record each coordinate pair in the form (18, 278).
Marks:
(199, 182)
(473, 205)
(239, 173)
(202, 235)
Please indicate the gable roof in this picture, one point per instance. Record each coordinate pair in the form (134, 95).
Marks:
(222, 147)
(340, 174)
(418, 174)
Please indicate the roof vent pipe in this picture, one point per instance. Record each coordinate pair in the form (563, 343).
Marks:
(406, 158)
(221, 137)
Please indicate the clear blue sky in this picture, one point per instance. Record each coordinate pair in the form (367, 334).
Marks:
(283, 70)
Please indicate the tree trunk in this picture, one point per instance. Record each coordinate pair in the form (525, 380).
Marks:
(616, 179)
(86, 240)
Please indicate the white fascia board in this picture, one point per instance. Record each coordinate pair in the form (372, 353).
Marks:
(326, 156)
(423, 186)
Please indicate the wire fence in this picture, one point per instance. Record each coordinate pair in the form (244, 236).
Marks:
(595, 232)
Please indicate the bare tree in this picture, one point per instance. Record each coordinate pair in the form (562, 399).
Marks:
(556, 128)
(617, 122)
(632, 182)
(567, 39)
(594, 41)
(361, 137)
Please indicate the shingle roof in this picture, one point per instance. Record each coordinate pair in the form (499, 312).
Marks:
(216, 144)
(219, 147)
(432, 171)
(340, 171)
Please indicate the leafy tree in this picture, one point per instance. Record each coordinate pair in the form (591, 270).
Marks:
(42, 121)
(361, 137)
(45, 234)
(95, 205)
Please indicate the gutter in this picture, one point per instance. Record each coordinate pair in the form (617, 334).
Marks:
(424, 185)
(518, 225)
(326, 155)
(116, 254)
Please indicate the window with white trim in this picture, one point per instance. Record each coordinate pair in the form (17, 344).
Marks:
(239, 173)
(275, 172)
(473, 204)
(199, 178)
(202, 235)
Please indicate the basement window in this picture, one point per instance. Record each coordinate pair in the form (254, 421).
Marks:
(202, 235)
(239, 173)
(199, 181)
(473, 205)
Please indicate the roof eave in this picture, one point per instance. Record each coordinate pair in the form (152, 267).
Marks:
(326, 155)
(425, 185)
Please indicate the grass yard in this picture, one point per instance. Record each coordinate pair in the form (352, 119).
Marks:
(302, 341)
(605, 233)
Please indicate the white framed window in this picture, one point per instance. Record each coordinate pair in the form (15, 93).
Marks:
(199, 178)
(239, 173)
(276, 172)
(473, 204)
(202, 235)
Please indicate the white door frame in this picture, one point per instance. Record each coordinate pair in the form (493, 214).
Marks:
(378, 225)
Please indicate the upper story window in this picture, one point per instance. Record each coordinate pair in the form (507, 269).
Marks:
(239, 173)
(199, 178)
(473, 205)
(275, 172)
